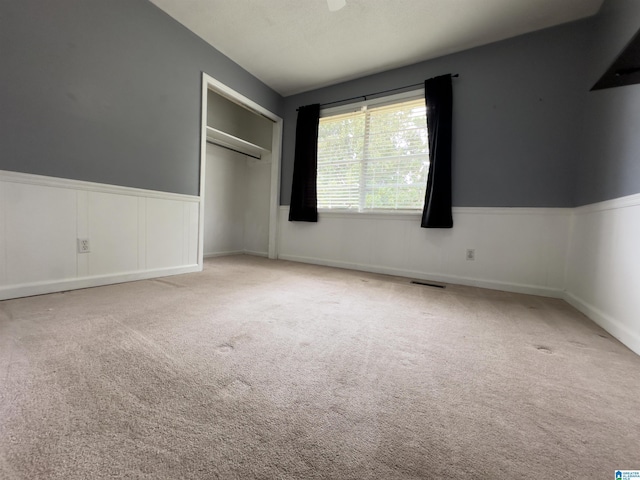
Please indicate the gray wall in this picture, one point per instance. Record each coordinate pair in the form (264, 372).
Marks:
(609, 164)
(107, 91)
(517, 108)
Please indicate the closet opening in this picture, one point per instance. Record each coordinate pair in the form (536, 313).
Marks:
(239, 174)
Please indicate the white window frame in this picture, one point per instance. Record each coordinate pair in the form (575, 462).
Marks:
(355, 107)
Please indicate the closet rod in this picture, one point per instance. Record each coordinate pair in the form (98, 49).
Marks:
(234, 150)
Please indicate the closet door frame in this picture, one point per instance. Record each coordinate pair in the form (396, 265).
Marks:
(210, 83)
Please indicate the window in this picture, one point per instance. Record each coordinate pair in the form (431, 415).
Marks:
(375, 158)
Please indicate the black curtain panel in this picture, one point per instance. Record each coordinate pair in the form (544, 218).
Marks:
(437, 202)
(304, 201)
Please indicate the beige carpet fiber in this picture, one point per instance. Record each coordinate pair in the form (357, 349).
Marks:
(258, 369)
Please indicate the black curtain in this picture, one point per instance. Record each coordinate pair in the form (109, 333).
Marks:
(437, 202)
(304, 202)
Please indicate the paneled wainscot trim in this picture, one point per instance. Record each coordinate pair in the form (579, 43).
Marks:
(587, 256)
(133, 234)
(516, 249)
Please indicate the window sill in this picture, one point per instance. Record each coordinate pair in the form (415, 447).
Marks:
(374, 214)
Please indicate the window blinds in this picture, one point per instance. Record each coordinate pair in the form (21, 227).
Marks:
(374, 159)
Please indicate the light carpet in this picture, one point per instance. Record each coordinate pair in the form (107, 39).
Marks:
(259, 369)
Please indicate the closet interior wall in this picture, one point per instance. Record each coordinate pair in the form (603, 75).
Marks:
(237, 186)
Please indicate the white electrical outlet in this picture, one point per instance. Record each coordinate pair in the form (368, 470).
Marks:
(471, 254)
(83, 245)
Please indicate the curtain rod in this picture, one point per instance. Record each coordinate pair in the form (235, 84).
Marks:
(454, 75)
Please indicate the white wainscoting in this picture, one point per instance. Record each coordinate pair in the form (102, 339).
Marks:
(133, 233)
(517, 249)
(603, 275)
(588, 255)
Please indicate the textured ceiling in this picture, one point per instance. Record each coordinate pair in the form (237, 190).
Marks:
(299, 45)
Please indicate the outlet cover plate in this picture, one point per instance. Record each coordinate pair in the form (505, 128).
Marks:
(83, 245)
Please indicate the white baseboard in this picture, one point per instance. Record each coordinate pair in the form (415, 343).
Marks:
(223, 254)
(436, 277)
(40, 288)
(607, 322)
(256, 254)
(235, 252)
